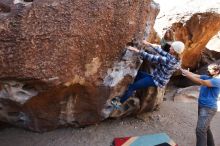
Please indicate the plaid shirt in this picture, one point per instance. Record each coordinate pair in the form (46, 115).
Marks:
(167, 65)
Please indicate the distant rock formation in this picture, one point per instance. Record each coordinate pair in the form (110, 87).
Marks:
(196, 33)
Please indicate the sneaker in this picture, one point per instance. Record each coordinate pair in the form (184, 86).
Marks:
(116, 103)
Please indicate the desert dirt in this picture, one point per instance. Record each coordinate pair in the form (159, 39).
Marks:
(176, 119)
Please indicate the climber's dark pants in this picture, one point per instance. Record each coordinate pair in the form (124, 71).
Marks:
(204, 135)
(142, 81)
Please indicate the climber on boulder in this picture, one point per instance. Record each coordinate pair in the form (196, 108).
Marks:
(168, 63)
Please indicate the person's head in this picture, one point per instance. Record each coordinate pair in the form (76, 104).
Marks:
(214, 69)
(177, 48)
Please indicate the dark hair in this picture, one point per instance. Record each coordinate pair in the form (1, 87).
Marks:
(166, 47)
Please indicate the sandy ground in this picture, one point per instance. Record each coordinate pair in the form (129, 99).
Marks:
(178, 120)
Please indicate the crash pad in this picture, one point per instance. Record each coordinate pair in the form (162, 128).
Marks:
(160, 139)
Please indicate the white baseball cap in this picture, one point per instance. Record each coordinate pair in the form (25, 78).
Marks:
(178, 46)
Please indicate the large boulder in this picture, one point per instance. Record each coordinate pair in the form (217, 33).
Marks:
(62, 60)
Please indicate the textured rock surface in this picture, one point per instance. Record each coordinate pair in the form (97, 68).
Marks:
(60, 42)
(61, 60)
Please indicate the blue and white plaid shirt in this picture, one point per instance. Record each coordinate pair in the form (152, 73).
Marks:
(167, 65)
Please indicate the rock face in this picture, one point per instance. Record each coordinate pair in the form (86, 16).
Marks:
(196, 33)
(62, 60)
(208, 57)
(212, 51)
(58, 43)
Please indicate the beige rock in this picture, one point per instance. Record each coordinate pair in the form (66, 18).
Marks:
(189, 94)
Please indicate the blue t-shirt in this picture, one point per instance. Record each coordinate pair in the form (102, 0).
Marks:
(208, 96)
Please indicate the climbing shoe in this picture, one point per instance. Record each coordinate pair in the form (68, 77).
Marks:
(116, 103)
